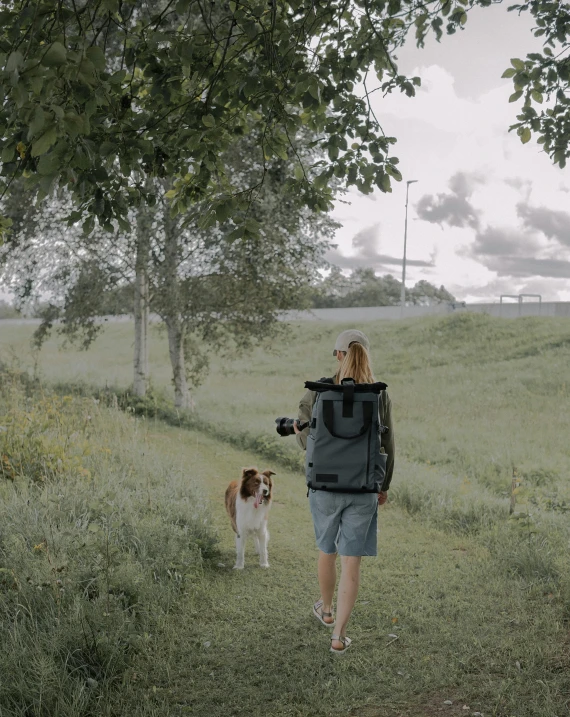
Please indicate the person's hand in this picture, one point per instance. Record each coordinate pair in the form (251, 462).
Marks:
(382, 497)
(295, 427)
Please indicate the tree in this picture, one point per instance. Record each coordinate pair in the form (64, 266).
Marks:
(364, 288)
(96, 92)
(543, 81)
(96, 95)
(212, 288)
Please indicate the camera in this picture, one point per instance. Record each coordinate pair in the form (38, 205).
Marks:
(285, 426)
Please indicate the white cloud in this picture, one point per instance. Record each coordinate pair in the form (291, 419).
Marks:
(441, 134)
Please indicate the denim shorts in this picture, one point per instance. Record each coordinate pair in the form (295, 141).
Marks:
(345, 523)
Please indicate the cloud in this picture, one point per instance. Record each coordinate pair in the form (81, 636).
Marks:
(365, 244)
(552, 223)
(550, 289)
(475, 174)
(453, 208)
(517, 254)
(448, 209)
(497, 241)
(522, 267)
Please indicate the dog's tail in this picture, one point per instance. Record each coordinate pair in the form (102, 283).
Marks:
(231, 498)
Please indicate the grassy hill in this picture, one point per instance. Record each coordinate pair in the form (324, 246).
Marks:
(153, 621)
(475, 398)
(117, 595)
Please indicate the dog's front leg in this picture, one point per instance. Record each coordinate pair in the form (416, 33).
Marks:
(240, 551)
(263, 540)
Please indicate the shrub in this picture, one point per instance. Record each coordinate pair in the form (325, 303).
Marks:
(97, 542)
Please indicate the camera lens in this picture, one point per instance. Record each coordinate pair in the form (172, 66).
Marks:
(285, 426)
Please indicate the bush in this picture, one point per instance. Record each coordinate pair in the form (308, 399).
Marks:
(97, 541)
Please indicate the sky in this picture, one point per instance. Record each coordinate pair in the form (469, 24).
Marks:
(488, 215)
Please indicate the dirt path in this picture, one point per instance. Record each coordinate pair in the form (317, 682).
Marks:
(435, 620)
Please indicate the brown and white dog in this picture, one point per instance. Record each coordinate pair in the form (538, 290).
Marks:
(248, 502)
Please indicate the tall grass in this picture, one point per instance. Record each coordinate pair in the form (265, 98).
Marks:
(99, 538)
(474, 398)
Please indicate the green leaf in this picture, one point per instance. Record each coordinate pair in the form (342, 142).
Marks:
(525, 135)
(224, 211)
(515, 96)
(537, 96)
(124, 224)
(117, 77)
(107, 148)
(56, 55)
(509, 72)
(15, 61)
(252, 225)
(37, 123)
(48, 164)
(8, 153)
(74, 124)
(384, 184)
(517, 64)
(209, 121)
(41, 145)
(88, 225)
(333, 153)
(97, 57)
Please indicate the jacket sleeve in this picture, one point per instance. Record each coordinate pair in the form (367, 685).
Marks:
(387, 439)
(305, 414)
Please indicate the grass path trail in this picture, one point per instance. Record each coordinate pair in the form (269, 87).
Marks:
(246, 643)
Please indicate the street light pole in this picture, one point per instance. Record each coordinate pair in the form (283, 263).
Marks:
(403, 293)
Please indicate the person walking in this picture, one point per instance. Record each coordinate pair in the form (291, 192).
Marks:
(346, 523)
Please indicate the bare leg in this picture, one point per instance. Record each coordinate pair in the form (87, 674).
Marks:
(347, 592)
(327, 581)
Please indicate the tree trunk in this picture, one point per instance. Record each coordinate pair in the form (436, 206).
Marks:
(141, 307)
(140, 380)
(176, 350)
(171, 303)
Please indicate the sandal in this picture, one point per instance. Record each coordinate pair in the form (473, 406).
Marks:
(319, 613)
(346, 641)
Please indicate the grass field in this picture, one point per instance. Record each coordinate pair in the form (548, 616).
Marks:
(480, 604)
(474, 396)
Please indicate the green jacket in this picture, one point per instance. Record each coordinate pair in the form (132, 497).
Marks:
(387, 444)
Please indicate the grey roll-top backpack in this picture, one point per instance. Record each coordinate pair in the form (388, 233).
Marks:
(343, 446)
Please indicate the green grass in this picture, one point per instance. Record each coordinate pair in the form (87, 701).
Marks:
(480, 603)
(98, 539)
(248, 644)
(473, 396)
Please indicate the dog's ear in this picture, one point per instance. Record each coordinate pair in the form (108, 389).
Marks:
(248, 472)
(269, 473)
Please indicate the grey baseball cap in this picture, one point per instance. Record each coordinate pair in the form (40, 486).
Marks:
(348, 337)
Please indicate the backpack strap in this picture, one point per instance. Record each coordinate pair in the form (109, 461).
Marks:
(347, 397)
(328, 417)
(382, 428)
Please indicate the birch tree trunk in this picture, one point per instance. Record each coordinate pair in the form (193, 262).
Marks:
(140, 364)
(141, 305)
(172, 313)
(176, 351)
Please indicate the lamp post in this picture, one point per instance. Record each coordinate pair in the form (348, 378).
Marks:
(403, 294)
